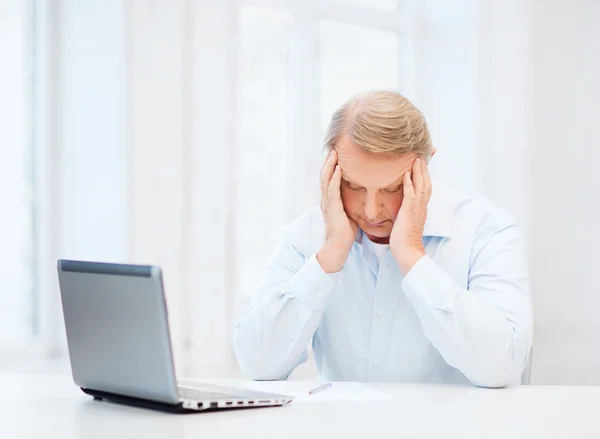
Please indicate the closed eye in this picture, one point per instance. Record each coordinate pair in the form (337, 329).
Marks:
(353, 187)
(393, 190)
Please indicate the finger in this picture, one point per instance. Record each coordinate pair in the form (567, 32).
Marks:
(334, 196)
(325, 160)
(321, 177)
(417, 177)
(407, 185)
(333, 193)
(426, 179)
(324, 165)
(327, 172)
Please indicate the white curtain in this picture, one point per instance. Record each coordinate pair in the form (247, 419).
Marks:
(228, 106)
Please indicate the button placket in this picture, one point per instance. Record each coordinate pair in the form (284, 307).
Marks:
(377, 322)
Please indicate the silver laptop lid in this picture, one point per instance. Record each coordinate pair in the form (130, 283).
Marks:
(117, 329)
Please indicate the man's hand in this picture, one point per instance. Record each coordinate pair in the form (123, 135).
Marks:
(340, 231)
(406, 239)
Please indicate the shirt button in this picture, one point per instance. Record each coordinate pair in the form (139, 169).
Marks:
(380, 313)
(319, 293)
(376, 363)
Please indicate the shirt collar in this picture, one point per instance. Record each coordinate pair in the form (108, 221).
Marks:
(439, 215)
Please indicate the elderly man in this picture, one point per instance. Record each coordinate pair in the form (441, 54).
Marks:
(393, 278)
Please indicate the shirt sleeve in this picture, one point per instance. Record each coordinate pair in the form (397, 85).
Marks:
(271, 339)
(484, 330)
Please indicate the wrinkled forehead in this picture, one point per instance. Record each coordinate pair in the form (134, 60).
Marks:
(373, 170)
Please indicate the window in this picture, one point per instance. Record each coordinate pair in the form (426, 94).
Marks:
(263, 81)
(18, 317)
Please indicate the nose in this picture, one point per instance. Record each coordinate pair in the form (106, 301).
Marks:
(371, 207)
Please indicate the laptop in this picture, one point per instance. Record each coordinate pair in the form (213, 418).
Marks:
(119, 342)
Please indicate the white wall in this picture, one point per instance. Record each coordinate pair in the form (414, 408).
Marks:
(565, 191)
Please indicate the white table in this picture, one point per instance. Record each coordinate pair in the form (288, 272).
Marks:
(36, 406)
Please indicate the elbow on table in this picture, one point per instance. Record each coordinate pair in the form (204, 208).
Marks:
(263, 374)
(494, 383)
(490, 377)
(258, 370)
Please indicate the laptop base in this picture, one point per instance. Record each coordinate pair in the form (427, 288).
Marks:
(160, 406)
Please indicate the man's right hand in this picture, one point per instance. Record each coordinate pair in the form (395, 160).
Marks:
(340, 231)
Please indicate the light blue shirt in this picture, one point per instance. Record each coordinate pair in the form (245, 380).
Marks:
(462, 314)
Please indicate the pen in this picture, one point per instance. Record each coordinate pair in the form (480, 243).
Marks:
(319, 389)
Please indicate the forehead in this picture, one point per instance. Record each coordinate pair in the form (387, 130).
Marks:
(371, 170)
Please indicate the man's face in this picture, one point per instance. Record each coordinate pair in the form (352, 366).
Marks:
(371, 187)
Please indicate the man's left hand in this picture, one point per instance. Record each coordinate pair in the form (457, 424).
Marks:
(406, 239)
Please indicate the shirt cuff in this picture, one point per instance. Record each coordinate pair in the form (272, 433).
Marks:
(430, 284)
(312, 286)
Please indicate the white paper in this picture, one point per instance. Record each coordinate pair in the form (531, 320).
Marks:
(339, 391)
